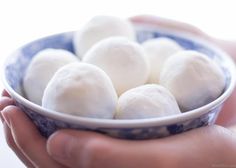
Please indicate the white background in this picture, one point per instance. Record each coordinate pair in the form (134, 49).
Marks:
(22, 21)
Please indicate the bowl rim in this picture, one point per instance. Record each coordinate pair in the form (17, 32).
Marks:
(134, 123)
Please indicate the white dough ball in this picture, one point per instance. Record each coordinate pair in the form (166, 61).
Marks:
(81, 89)
(193, 78)
(98, 28)
(146, 101)
(41, 69)
(123, 60)
(157, 51)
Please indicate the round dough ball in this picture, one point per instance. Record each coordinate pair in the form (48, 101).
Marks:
(98, 28)
(193, 78)
(147, 101)
(41, 69)
(157, 51)
(123, 60)
(86, 91)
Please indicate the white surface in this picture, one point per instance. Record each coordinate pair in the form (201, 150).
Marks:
(25, 20)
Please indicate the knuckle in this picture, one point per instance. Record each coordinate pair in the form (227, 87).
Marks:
(4, 102)
(219, 136)
(223, 143)
(225, 135)
(10, 108)
(92, 153)
(92, 148)
(219, 132)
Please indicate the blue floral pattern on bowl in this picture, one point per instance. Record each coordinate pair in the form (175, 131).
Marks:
(18, 62)
(47, 126)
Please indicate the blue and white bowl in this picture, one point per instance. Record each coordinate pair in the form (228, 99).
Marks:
(49, 121)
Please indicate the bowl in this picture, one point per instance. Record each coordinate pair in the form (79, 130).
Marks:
(49, 121)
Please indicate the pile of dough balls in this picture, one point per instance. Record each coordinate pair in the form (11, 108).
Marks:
(146, 101)
(81, 89)
(112, 76)
(158, 50)
(42, 68)
(192, 78)
(99, 28)
(123, 60)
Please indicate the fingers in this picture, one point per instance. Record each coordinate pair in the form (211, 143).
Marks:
(27, 138)
(76, 149)
(168, 23)
(227, 115)
(5, 93)
(4, 102)
(11, 143)
(91, 150)
(227, 45)
(201, 147)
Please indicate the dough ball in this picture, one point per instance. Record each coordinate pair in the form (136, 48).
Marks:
(86, 91)
(123, 60)
(41, 69)
(147, 101)
(157, 51)
(193, 78)
(98, 28)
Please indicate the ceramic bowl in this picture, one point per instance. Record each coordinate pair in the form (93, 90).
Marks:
(49, 121)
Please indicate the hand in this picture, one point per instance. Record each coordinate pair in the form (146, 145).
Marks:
(68, 148)
(227, 46)
(23, 137)
(227, 116)
(78, 149)
(203, 147)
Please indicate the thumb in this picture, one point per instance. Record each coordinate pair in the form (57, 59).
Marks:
(82, 149)
(77, 148)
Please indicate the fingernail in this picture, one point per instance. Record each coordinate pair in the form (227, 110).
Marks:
(5, 119)
(59, 145)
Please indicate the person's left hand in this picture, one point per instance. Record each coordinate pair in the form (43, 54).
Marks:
(23, 137)
(204, 147)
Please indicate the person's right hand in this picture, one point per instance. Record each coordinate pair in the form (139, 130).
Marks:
(227, 46)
